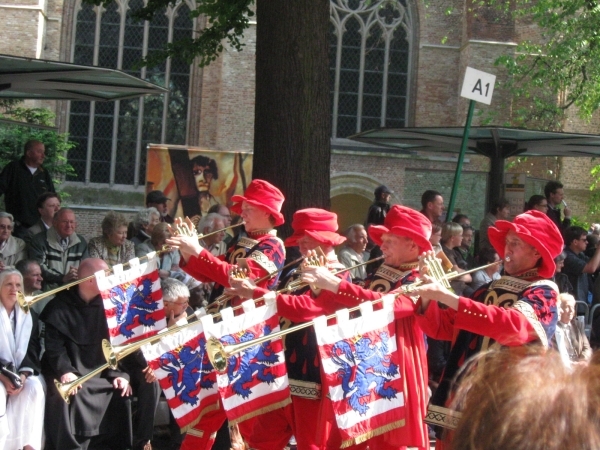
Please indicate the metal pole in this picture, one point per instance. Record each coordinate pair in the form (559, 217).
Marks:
(461, 157)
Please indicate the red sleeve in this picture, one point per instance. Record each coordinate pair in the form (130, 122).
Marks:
(207, 267)
(506, 326)
(301, 308)
(437, 323)
(352, 295)
(404, 307)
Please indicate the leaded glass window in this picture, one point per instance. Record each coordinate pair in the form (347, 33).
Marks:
(112, 136)
(370, 60)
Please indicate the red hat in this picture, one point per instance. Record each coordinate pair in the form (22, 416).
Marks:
(536, 229)
(406, 222)
(317, 223)
(263, 195)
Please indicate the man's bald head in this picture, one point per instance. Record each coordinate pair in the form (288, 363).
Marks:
(89, 289)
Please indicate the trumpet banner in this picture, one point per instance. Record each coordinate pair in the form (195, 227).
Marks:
(256, 379)
(185, 374)
(361, 366)
(132, 301)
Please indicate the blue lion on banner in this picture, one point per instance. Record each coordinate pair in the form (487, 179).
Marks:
(255, 361)
(192, 367)
(363, 365)
(135, 306)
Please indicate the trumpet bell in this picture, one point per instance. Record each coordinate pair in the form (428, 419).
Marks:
(216, 354)
(23, 302)
(109, 354)
(64, 389)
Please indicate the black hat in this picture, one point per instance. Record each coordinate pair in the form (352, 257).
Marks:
(382, 190)
(156, 197)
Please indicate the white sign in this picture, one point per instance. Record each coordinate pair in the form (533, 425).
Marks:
(478, 86)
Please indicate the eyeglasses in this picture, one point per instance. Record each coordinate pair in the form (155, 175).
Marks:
(6, 227)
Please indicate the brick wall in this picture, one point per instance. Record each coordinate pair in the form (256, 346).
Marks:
(222, 101)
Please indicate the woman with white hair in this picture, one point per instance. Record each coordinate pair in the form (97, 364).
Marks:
(22, 397)
(143, 224)
(12, 249)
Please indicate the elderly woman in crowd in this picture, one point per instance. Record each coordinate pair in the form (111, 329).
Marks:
(12, 249)
(143, 224)
(22, 398)
(569, 338)
(113, 246)
(169, 261)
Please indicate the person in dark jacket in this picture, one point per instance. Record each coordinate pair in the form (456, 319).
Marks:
(22, 182)
(98, 413)
(380, 207)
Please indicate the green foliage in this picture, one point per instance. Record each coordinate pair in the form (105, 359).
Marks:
(563, 68)
(35, 123)
(578, 222)
(594, 201)
(226, 20)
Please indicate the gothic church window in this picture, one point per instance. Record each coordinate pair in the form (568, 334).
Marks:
(370, 59)
(112, 136)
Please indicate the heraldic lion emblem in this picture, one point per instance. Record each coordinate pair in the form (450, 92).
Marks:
(366, 367)
(135, 306)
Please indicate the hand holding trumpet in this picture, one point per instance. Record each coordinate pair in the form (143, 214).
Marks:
(184, 238)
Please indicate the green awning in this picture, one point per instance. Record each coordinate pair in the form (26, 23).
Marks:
(493, 142)
(25, 78)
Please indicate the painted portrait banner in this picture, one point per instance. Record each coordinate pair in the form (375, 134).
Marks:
(194, 179)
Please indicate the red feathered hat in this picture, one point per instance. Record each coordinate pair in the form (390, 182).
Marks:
(263, 195)
(317, 223)
(406, 222)
(535, 228)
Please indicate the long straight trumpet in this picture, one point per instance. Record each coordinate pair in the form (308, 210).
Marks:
(294, 285)
(221, 299)
(113, 355)
(25, 302)
(218, 353)
(180, 229)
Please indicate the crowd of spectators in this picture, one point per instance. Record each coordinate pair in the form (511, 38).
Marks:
(40, 250)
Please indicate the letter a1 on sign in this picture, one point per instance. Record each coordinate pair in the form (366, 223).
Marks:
(478, 86)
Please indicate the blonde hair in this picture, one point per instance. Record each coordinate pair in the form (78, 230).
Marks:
(524, 398)
(450, 229)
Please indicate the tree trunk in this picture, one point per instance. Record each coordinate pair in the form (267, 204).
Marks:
(292, 114)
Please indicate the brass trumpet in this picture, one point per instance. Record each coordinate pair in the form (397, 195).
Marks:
(25, 302)
(297, 284)
(221, 299)
(113, 355)
(184, 230)
(218, 353)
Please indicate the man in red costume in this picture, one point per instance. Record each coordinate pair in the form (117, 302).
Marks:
(402, 238)
(312, 228)
(517, 309)
(263, 251)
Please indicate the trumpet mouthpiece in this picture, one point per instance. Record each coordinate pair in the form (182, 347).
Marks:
(507, 259)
